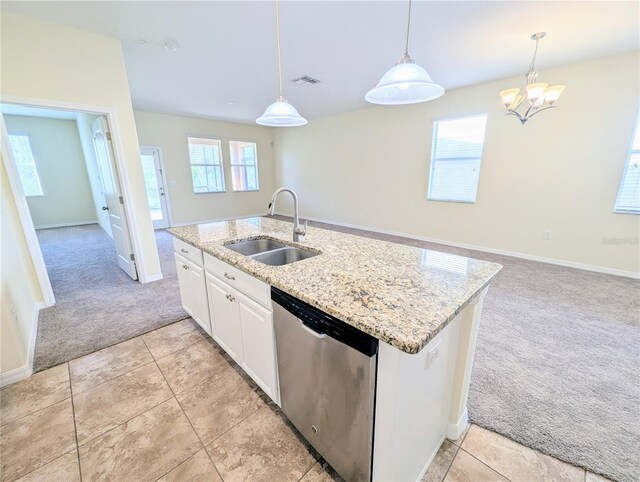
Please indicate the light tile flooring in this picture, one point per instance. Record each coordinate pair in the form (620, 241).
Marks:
(172, 406)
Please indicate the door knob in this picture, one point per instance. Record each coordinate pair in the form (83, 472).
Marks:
(105, 208)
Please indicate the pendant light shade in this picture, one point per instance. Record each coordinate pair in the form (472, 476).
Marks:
(405, 83)
(281, 114)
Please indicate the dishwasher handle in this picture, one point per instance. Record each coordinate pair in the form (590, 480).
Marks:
(310, 330)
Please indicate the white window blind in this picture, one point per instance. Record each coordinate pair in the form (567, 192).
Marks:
(205, 156)
(26, 164)
(455, 159)
(244, 165)
(628, 200)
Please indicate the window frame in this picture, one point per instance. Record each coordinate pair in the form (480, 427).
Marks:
(191, 164)
(630, 152)
(434, 122)
(232, 165)
(35, 164)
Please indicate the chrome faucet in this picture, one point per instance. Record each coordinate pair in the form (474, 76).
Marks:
(297, 229)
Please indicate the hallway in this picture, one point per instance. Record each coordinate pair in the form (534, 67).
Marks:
(97, 304)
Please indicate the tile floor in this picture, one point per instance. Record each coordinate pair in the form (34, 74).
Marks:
(170, 405)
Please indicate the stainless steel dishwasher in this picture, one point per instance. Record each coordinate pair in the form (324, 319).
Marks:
(327, 372)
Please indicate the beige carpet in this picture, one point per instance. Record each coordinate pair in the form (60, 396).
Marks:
(97, 304)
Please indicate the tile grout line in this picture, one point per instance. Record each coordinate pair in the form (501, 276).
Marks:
(115, 378)
(75, 427)
(34, 412)
(50, 462)
(308, 470)
(203, 447)
(450, 463)
(486, 465)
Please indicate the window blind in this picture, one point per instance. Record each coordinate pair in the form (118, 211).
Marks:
(628, 200)
(205, 156)
(455, 159)
(26, 164)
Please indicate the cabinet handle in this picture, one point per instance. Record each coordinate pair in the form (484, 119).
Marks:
(184, 266)
(230, 298)
(226, 275)
(184, 251)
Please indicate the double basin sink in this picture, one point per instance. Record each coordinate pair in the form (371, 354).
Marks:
(270, 251)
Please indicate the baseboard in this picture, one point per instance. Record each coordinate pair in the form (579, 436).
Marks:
(431, 457)
(228, 218)
(151, 279)
(455, 430)
(26, 370)
(65, 225)
(473, 247)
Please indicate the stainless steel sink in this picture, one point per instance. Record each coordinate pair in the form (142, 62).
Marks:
(250, 247)
(284, 256)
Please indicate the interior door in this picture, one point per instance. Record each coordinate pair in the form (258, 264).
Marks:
(115, 202)
(154, 183)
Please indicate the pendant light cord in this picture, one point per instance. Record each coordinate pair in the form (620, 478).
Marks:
(406, 45)
(532, 67)
(278, 46)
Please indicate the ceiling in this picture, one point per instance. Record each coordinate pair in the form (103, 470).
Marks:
(227, 49)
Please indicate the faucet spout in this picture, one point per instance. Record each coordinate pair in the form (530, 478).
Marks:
(297, 229)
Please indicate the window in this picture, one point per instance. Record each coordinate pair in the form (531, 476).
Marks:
(455, 159)
(628, 200)
(26, 164)
(244, 165)
(206, 165)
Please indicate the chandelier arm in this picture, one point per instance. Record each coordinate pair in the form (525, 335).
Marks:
(540, 110)
(532, 67)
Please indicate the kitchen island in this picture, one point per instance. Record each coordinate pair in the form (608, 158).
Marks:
(422, 305)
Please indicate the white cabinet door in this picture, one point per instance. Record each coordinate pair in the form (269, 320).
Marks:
(258, 345)
(193, 291)
(225, 320)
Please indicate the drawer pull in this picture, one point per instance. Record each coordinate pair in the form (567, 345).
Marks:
(226, 275)
(184, 251)
(184, 266)
(230, 298)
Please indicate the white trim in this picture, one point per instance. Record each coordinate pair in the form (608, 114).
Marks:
(121, 176)
(65, 225)
(26, 370)
(151, 279)
(430, 459)
(25, 217)
(473, 247)
(164, 181)
(455, 430)
(228, 218)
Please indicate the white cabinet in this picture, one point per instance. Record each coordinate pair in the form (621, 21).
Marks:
(193, 291)
(244, 328)
(225, 321)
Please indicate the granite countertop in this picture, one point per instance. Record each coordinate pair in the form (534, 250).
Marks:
(399, 294)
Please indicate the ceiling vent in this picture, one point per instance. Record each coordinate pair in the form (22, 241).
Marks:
(306, 80)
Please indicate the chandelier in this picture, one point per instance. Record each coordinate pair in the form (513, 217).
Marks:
(540, 95)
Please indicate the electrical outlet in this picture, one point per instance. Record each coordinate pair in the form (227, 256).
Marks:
(546, 235)
(432, 355)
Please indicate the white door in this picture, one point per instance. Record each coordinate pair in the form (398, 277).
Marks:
(258, 346)
(115, 202)
(154, 183)
(225, 323)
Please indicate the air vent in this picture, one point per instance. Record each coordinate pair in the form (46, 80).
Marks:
(306, 80)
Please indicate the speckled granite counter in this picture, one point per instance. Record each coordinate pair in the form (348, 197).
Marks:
(399, 294)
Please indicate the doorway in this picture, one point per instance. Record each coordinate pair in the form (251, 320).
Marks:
(154, 180)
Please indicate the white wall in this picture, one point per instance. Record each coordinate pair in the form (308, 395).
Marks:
(559, 173)
(44, 60)
(170, 134)
(97, 190)
(55, 144)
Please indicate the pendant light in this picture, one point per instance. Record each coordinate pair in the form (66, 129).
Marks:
(280, 113)
(406, 82)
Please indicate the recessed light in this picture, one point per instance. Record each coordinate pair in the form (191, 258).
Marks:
(142, 42)
(171, 46)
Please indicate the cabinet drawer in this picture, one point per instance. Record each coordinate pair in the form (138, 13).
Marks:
(243, 282)
(188, 251)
